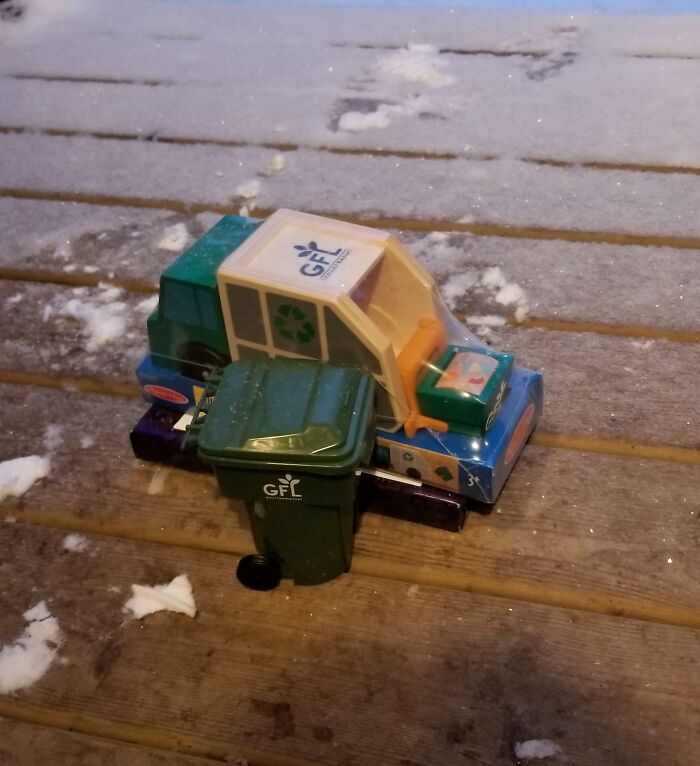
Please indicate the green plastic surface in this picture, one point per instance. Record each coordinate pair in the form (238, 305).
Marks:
(198, 264)
(464, 412)
(189, 308)
(286, 436)
(292, 412)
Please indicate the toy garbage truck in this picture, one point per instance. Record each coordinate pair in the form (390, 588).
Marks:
(450, 412)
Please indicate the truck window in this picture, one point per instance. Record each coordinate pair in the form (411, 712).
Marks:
(344, 347)
(185, 304)
(209, 308)
(246, 313)
(179, 304)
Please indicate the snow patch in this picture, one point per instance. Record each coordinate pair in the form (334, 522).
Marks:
(276, 164)
(75, 543)
(487, 320)
(644, 345)
(175, 596)
(147, 305)
(157, 482)
(506, 293)
(207, 220)
(104, 318)
(175, 238)
(32, 16)
(24, 661)
(52, 437)
(354, 122)
(417, 65)
(13, 300)
(457, 286)
(536, 748)
(86, 442)
(18, 475)
(248, 189)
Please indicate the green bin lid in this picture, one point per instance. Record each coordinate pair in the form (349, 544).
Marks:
(284, 411)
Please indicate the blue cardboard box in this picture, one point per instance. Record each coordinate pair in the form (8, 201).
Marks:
(476, 467)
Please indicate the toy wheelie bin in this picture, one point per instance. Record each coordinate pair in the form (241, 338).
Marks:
(286, 436)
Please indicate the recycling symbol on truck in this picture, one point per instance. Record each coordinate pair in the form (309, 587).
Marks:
(293, 324)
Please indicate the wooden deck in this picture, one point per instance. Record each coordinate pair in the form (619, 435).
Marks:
(572, 612)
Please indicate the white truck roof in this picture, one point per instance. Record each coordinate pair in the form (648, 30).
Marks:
(307, 253)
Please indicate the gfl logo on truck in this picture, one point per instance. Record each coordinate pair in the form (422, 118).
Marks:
(286, 487)
(321, 263)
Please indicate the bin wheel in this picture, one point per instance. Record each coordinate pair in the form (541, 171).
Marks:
(259, 572)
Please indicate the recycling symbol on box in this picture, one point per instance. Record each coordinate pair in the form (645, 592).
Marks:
(293, 324)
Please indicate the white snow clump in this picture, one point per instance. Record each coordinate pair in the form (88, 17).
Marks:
(24, 661)
(416, 64)
(506, 293)
(536, 748)
(75, 543)
(104, 318)
(19, 474)
(175, 596)
(174, 238)
(354, 122)
(248, 189)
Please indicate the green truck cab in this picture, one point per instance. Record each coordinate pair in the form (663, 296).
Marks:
(186, 332)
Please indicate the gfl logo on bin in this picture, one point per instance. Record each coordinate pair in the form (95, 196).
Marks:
(285, 488)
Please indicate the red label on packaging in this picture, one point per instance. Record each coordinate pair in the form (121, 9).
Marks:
(160, 392)
(520, 433)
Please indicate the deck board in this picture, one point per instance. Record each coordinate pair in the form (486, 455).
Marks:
(495, 195)
(304, 671)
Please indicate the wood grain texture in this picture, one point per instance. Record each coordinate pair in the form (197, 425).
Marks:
(589, 531)
(23, 744)
(358, 670)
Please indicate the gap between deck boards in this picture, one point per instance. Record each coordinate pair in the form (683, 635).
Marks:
(145, 736)
(631, 167)
(554, 440)
(445, 579)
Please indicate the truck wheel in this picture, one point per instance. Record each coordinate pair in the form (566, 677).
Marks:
(259, 572)
(197, 360)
